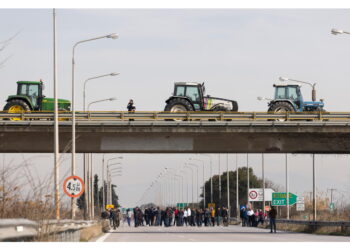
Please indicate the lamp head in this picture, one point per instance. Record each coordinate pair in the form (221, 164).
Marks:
(113, 99)
(282, 79)
(113, 36)
(114, 74)
(337, 32)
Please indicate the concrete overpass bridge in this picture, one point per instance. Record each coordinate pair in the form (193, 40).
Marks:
(156, 132)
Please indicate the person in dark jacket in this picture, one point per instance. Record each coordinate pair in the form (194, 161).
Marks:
(272, 216)
(224, 215)
(131, 107)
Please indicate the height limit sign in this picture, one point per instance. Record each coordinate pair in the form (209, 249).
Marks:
(73, 186)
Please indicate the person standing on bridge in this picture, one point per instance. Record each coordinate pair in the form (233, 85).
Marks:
(272, 216)
(131, 107)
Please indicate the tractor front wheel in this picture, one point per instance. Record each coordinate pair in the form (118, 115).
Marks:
(16, 106)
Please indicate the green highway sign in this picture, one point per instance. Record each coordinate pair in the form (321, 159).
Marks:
(181, 205)
(279, 199)
(331, 206)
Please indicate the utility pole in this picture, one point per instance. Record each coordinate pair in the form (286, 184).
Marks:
(56, 135)
(247, 179)
(228, 187)
(263, 177)
(237, 190)
(314, 188)
(219, 183)
(287, 188)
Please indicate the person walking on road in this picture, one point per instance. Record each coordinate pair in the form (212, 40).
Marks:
(272, 216)
(218, 215)
(186, 216)
(212, 216)
(128, 216)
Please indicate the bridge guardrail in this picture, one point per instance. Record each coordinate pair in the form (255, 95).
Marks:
(49, 230)
(316, 223)
(197, 115)
(18, 230)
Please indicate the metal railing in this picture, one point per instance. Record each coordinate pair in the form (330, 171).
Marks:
(316, 223)
(189, 116)
(49, 230)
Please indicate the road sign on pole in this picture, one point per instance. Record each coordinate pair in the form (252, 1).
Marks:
(279, 199)
(73, 186)
(300, 207)
(257, 194)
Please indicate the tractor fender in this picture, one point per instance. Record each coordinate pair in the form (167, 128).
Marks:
(283, 100)
(180, 97)
(23, 98)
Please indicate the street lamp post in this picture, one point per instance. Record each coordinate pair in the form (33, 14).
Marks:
(192, 182)
(197, 182)
(103, 178)
(247, 179)
(237, 190)
(109, 194)
(187, 199)
(204, 201)
(211, 179)
(89, 198)
(56, 134)
(92, 78)
(219, 181)
(113, 36)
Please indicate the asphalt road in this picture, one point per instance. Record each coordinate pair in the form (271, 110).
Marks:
(211, 234)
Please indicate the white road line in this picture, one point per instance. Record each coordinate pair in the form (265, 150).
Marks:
(103, 237)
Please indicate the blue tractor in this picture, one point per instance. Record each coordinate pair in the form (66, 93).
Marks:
(288, 98)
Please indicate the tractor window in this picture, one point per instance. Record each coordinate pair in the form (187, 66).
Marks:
(22, 89)
(280, 93)
(33, 90)
(180, 91)
(193, 93)
(292, 93)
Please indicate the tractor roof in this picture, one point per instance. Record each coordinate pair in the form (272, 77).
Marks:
(285, 84)
(188, 83)
(29, 82)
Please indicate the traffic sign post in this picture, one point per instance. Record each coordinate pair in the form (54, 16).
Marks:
(257, 194)
(279, 199)
(73, 186)
(300, 207)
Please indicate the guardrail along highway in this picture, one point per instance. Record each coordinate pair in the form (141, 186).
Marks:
(192, 132)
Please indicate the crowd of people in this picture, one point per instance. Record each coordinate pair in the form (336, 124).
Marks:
(250, 218)
(172, 216)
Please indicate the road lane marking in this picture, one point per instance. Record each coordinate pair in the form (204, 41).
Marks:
(103, 237)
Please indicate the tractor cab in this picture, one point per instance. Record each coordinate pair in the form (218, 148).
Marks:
(31, 90)
(290, 93)
(192, 91)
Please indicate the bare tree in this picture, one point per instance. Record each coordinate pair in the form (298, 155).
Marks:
(3, 45)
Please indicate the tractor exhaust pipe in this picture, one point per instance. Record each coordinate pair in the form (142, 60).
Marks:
(313, 93)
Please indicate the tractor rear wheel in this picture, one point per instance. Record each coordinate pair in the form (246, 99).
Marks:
(16, 106)
(281, 107)
(178, 105)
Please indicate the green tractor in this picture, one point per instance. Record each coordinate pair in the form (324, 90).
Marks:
(30, 97)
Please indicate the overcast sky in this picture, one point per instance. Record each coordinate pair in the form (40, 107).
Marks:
(239, 54)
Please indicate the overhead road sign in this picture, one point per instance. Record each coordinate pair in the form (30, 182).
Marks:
(279, 199)
(73, 186)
